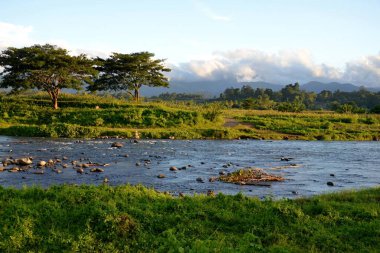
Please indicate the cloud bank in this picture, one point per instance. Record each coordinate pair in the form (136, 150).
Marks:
(281, 68)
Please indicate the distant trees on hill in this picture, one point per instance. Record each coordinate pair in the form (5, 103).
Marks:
(292, 98)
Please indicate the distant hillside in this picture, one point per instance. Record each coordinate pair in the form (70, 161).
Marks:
(318, 86)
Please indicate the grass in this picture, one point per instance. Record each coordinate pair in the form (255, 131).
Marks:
(137, 219)
(85, 115)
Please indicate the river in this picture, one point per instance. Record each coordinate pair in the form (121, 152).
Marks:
(347, 165)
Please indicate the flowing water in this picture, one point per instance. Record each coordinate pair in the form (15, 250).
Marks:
(347, 164)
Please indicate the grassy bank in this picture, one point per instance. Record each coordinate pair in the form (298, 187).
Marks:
(94, 116)
(136, 219)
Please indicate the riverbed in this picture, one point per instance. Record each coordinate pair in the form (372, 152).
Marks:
(306, 166)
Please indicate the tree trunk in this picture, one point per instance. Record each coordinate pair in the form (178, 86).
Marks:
(54, 98)
(55, 102)
(137, 95)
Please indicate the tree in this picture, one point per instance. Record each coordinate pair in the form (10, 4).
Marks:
(130, 72)
(44, 67)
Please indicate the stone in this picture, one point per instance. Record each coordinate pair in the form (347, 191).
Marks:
(181, 194)
(332, 175)
(105, 180)
(85, 165)
(126, 155)
(65, 158)
(161, 176)
(117, 145)
(173, 168)
(38, 172)
(222, 173)
(1, 169)
(97, 170)
(138, 164)
(50, 161)
(65, 165)
(183, 168)
(58, 171)
(41, 163)
(200, 180)
(23, 161)
(80, 170)
(330, 183)
(14, 169)
(213, 179)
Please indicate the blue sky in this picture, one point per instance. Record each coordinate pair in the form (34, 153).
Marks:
(323, 40)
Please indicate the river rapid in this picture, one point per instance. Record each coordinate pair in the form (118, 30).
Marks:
(306, 166)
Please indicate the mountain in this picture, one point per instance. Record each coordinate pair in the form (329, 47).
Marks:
(207, 88)
(318, 86)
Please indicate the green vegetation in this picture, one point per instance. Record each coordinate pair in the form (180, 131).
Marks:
(84, 115)
(292, 98)
(136, 219)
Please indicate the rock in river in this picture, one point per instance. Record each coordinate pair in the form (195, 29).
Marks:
(161, 176)
(173, 168)
(97, 170)
(23, 161)
(117, 145)
(41, 163)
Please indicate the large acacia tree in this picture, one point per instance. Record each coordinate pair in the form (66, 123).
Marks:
(44, 67)
(130, 72)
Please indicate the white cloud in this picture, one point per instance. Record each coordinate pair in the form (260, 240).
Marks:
(282, 68)
(14, 35)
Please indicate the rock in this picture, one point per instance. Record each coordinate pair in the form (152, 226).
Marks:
(58, 160)
(65, 158)
(14, 169)
(213, 179)
(161, 176)
(202, 162)
(173, 168)
(38, 172)
(200, 180)
(50, 161)
(295, 192)
(138, 164)
(126, 155)
(41, 163)
(97, 170)
(23, 161)
(225, 166)
(105, 180)
(286, 159)
(332, 175)
(330, 183)
(1, 169)
(58, 171)
(181, 194)
(85, 165)
(80, 170)
(135, 141)
(65, 165)
(117, 145)
(183, 168)
(222, 173)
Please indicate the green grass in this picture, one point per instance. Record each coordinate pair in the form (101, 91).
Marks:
(137, 219)
(85, 115)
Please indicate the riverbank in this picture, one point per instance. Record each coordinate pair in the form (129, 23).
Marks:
(137, 219)
(92, 116)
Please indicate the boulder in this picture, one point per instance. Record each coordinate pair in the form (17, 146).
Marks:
(41, 163)
(161, 176)
(23, 161)
(330, 183)
(200, 180)
(97, 170)
(173, 168)
(80, 170)
(117, 145)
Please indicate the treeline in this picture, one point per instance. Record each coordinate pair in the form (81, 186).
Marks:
(292, 98)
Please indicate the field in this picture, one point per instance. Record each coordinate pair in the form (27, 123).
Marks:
(137, 219)
(93, 116)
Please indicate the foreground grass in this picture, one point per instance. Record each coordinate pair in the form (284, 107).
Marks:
(136, 219)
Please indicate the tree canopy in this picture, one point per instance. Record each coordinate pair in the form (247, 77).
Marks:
(130, 72)
(44, 67)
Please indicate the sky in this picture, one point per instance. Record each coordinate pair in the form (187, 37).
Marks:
(275, 41)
